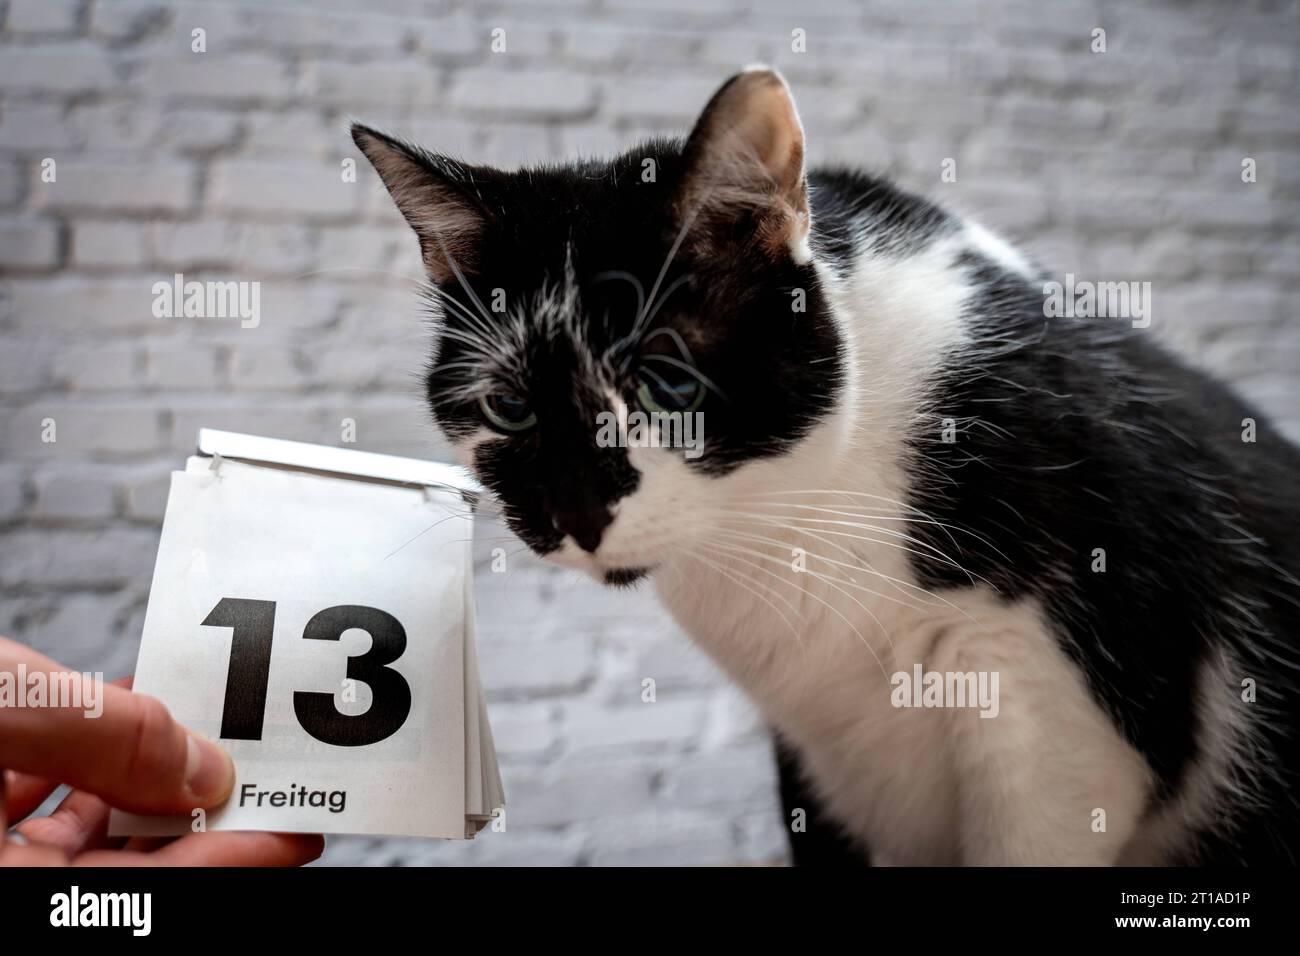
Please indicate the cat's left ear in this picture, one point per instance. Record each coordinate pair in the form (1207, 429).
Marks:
(745, 167)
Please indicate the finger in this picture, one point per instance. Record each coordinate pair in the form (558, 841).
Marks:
(231, 848)
(30, 854)
(78, 824)
(146, 844)
(133, 754)
(26, 793)
(236, 848)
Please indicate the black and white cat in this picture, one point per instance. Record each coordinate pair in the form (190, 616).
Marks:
(909, 473)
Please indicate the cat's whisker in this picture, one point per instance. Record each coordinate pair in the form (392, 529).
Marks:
(740, 579)
(487, 331)
(782, 521)
(675, 336)
(876, 516)
(830, 607)
(906, 588)
(627, 277)
(460, 277)
(703, 379)
(897, 583)
(834, 582)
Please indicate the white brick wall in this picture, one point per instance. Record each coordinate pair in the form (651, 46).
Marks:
(226, 164)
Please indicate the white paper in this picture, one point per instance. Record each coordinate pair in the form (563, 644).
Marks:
(321, 548)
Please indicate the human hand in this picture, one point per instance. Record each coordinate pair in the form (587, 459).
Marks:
(132, 756)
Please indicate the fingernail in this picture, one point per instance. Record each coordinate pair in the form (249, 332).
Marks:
(209, 771)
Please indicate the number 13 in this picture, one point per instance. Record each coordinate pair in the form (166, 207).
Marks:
(250, 667)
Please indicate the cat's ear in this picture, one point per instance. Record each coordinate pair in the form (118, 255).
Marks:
(745, 165)
(431, 192)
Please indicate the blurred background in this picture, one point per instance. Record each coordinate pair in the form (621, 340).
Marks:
(228, 164)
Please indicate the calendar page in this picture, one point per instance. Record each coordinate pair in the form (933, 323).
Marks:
(317, 626)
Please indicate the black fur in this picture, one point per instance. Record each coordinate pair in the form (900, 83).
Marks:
(1072, 435)
(1085, 435)
(815, 839)
(771, 371)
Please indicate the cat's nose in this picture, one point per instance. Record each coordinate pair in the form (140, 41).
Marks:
(585, 525)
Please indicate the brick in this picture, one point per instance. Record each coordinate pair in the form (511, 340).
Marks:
(124, 20)
(158, 187)
(447, 135)
(24, 365)
(293, 133)
(662, 839)
(673, 666)
(61, 69)
(30, 244)
(263, 367)
(268, 189)
(512, 668)
(371, 247)
(92, 368)
(551, 93)
(512, 145)
(275, 248)
(114, 126)
(84, 632)
(673, 99)
(523, 729)
(11, 184)
(763, 837)
(410, 85)
(309, 305)
(306, 28)
(12, 492)
(732, 720)
(736, 778)
(191, 366)
(660, 724)
(145, 492)
(41, 16)
(209, 76)
(108, 245)
(577, 791)
(73, 494)
(195, 130)
(68, 558)
(37, 128)
(294, 421)
(74, 304)
(81, 428)
(448, 37)
(198, 244)
(256, 248)
(370, 368)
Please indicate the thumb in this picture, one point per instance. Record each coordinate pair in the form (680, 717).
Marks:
(130, 752)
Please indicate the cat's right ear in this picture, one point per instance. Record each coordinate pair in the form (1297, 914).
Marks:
(744, 170)
(430, 192)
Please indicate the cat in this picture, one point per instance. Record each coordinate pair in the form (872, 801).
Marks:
(914, 481)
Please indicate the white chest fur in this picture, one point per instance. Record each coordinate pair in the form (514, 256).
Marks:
(1044, 779)
(1048, 779)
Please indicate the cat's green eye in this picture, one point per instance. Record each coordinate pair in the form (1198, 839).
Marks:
(507, 412)
(669, 390)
